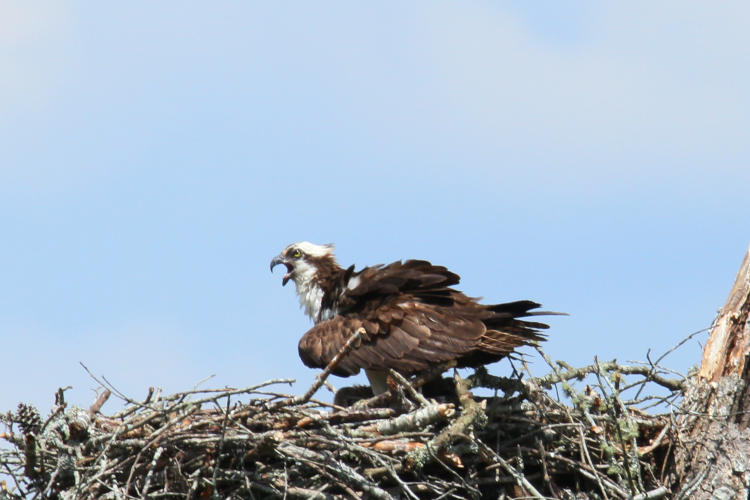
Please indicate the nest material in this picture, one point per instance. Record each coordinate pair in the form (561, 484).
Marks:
(587, 437)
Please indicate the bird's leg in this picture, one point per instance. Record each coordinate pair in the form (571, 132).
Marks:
(378, 381)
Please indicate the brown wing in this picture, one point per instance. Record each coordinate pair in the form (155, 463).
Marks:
(407, 336)
(419, 278)
(413, 319)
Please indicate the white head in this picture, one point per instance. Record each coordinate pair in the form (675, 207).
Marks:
(311, 249)
(304, 261)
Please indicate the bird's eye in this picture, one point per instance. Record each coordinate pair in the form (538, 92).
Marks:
(297, 254)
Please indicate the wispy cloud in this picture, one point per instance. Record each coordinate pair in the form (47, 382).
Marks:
(34, 53)
(637, 84)
(592, 93)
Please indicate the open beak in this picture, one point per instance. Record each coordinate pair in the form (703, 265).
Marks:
(289, 268)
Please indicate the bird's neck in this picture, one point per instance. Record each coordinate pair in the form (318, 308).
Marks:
(317, 289)
(310, 298)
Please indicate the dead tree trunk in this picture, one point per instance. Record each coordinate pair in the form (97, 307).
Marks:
(713, 438)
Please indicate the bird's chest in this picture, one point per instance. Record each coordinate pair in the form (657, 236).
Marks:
(310, 298)
(316, 302)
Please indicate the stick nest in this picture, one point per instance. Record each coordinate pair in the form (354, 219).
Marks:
(600, 431)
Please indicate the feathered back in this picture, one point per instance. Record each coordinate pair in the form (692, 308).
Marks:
(417, 278)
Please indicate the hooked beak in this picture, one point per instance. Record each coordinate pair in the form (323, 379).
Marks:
(289, 268)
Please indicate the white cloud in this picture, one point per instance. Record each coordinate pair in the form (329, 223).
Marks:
(33, 55)
(627, 88)
(36, 57)
(640, 83)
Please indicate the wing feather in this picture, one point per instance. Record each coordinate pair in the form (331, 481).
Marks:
(415, 277)
(407, 339)
(413, 319)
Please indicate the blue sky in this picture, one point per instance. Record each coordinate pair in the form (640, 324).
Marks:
(155, 157)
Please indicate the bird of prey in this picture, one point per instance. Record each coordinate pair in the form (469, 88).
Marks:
(412, 316)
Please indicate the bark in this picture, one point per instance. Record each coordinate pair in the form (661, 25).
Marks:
(712, 457)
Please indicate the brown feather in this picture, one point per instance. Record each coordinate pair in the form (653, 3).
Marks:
(412, 318)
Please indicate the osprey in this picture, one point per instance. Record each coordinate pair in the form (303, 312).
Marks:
(412, 316)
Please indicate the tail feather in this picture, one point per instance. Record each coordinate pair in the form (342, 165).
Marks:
(506, 331)
(517, 308)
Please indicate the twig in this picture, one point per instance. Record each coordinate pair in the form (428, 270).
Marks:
(519, 478)
(645, 450)
(587, 457)
(629, 468)
(97, 406)
(418, 419)
(579, 373)
(355, 338)
(473, 414)
(336, 467)
(682, 342)
(151, 468)
(221, 448)
(408, 388)
(659, 492)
